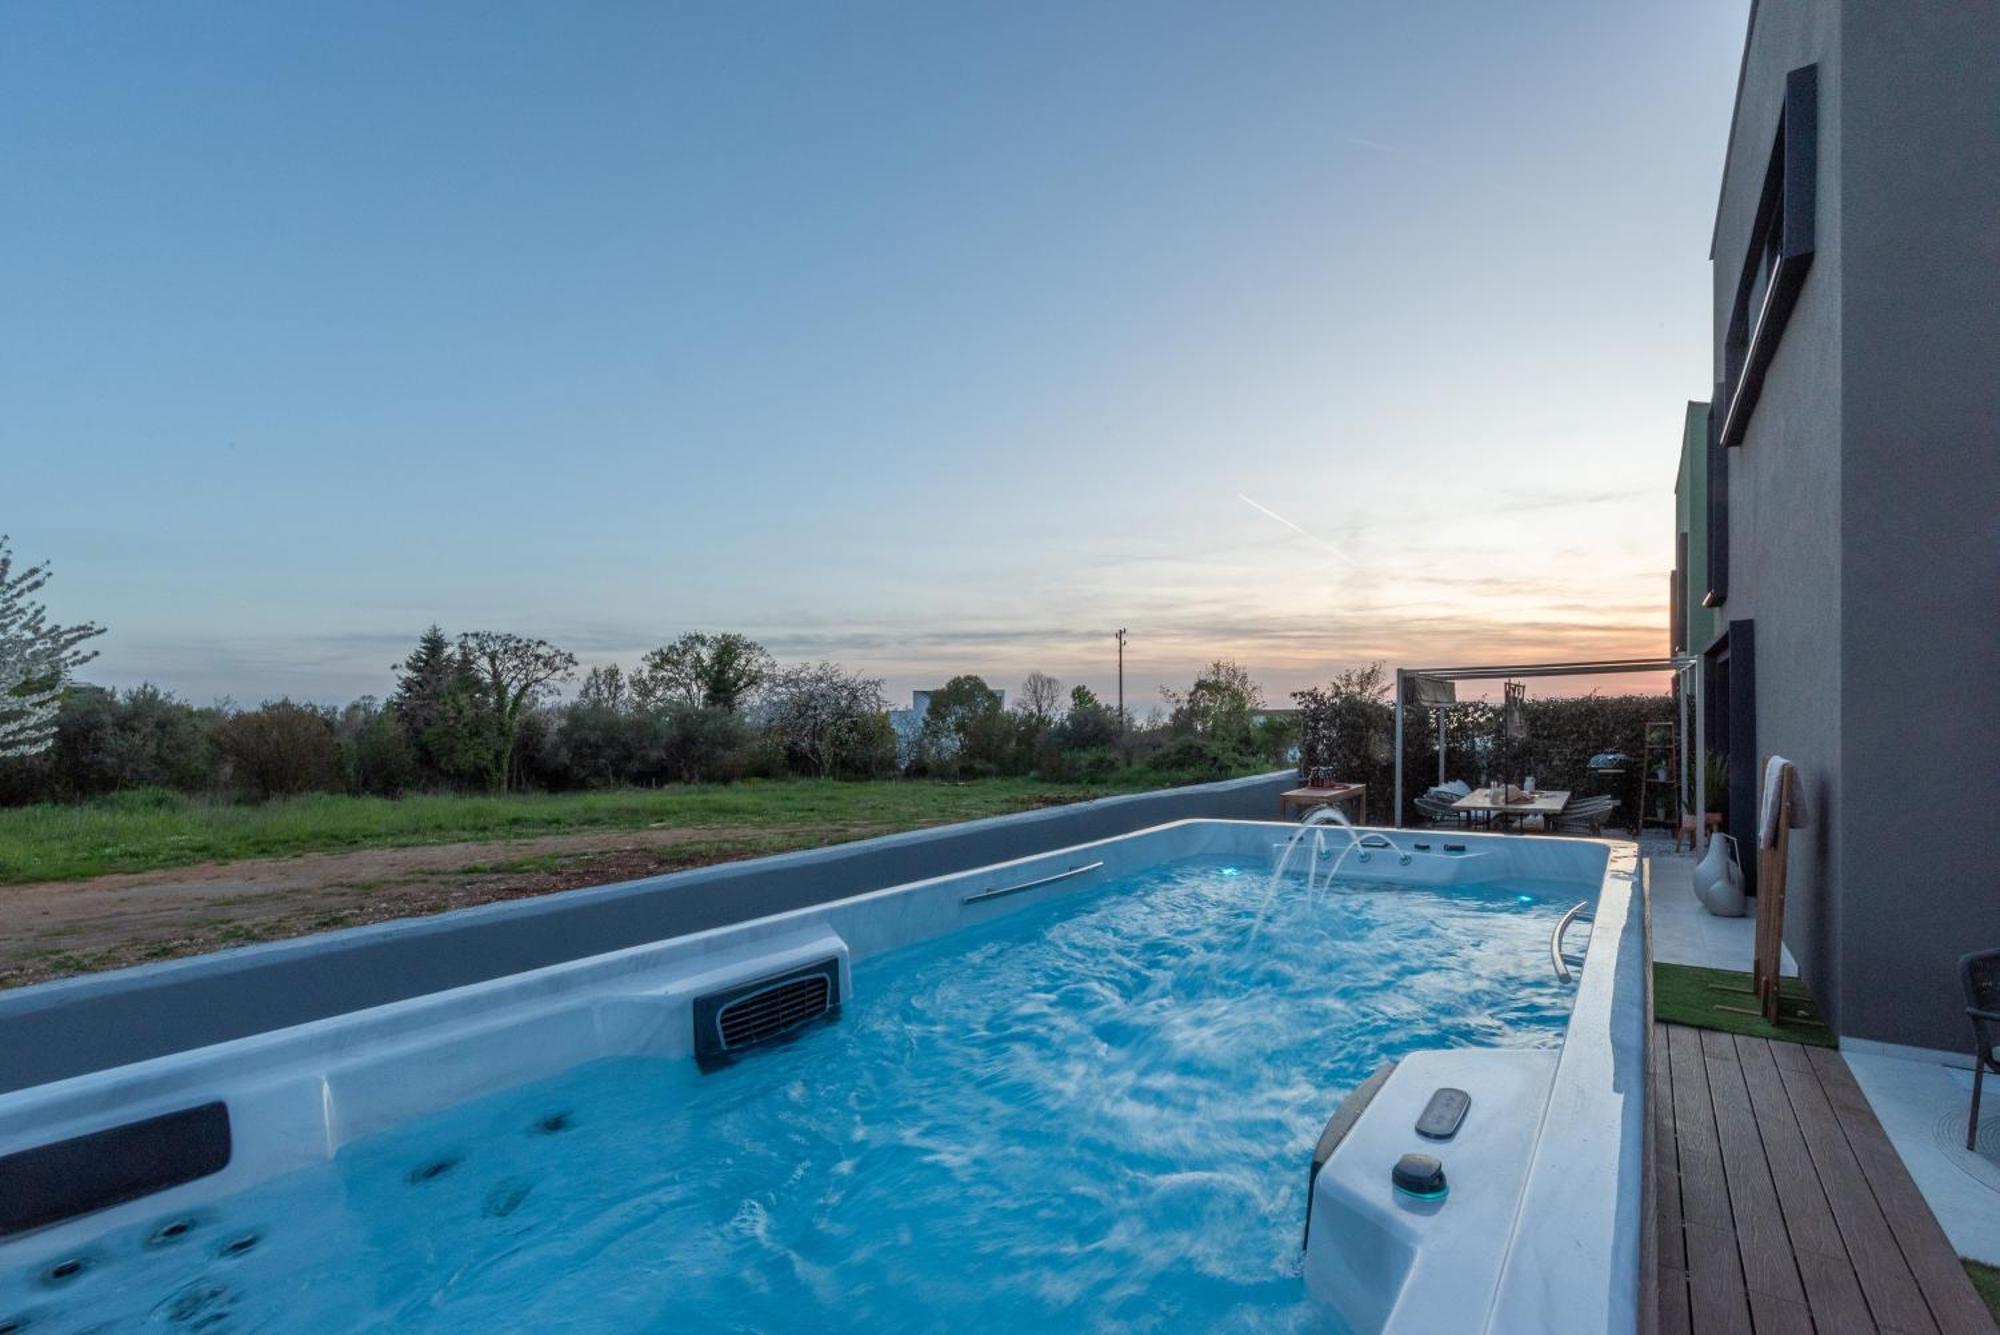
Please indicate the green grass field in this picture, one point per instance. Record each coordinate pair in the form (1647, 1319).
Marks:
(148, 830)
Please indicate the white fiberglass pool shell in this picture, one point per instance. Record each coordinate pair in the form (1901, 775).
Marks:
(1540, 1232)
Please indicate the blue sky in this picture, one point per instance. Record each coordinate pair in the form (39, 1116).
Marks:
(926, 338)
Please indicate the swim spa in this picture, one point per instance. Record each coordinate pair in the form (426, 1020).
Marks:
(1079, 1090)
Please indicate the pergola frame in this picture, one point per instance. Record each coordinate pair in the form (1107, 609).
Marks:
(1685, 666)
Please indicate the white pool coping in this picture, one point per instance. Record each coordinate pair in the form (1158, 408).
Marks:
(1569, 1261)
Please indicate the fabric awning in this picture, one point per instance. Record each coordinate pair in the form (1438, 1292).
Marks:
(1429, 692)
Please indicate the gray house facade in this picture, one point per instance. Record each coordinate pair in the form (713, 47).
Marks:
(1853, 517)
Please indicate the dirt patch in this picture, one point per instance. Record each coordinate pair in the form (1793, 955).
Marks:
(52, 929)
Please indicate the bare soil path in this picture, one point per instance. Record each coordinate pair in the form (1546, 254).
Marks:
(52, 929)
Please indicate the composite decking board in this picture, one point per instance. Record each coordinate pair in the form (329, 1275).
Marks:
(1779, 1316)
(1808, 1217)
(1933, 1261)
(1886, 1281)
(1834, 1295)
(1704, 1193)
(1718, 1302)
(1674, 1317)
(1768, 1267)
(1670, 1247)
(1791, 1056)
(1809, 1178)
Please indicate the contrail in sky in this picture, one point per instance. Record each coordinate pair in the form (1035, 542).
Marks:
(1309, 537)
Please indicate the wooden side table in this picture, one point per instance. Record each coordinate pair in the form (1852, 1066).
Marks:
(1356, 793)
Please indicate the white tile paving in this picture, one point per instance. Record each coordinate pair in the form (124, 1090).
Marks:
(1686, 933)
(1923, 1106)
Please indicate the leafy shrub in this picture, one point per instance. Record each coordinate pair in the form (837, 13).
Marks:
(703, 742)
(1099, 765)
(376, 755)
(1196, 759)
(279, 750)
(1089, 725)
(106, 741)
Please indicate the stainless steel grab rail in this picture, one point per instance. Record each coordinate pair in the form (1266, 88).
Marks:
(1005, 890)
(1556, 939)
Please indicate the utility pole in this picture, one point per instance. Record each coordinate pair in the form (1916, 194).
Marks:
(1121, 687)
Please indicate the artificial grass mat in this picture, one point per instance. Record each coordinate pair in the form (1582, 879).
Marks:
(1684, 994)
(1986, 1279)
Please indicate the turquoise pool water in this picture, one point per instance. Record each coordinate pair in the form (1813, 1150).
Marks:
(1095, 1114)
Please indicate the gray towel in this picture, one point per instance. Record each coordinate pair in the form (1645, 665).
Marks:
(1767, 808)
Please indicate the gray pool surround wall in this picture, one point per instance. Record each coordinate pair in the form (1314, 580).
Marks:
(79, 1025)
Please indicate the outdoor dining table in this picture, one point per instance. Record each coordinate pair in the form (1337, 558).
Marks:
(1546, 803)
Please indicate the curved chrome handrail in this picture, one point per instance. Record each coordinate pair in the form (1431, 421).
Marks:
(1029, 885)
(1556, 939)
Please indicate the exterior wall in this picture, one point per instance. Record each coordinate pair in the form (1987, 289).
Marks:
(1698, 625)
(69, 1028)
(1920, 514)
(1864, 520)
(1785, 534)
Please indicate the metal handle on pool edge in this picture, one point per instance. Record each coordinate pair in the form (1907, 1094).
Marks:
(1029, 885)
(1556, 939)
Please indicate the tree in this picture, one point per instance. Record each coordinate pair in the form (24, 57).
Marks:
(1090, 724)
(432, 686)
(513, 671)
(1218, 705)
(1041, 700)
(964, 728)
(827, 720)
(603, 688)
(715, 671)
(1364, 683)
(36, 658)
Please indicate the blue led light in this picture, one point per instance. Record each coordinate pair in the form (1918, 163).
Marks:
(1231, 871)
(1524, 899)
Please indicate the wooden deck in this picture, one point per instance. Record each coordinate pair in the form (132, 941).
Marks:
(1782, 1205)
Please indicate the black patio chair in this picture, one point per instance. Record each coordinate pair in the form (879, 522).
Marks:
(1980, 973)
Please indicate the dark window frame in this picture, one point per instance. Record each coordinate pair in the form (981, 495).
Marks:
(1778, 256)
(1677, 596)
(1717, 592)
(1729, 672)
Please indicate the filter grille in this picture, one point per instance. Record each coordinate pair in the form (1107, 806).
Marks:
(763, 1009)
(767, 1014)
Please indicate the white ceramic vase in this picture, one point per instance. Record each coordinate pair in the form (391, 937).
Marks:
(1718, 878)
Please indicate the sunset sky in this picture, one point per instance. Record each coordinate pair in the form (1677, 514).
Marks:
(925, 338)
